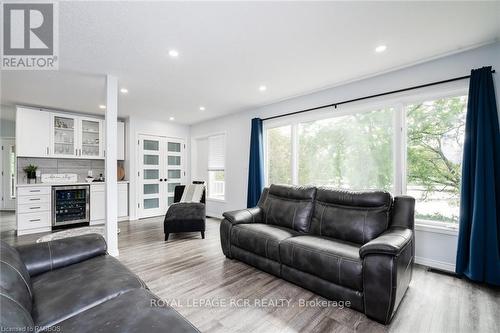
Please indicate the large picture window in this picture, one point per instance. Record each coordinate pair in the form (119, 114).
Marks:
(412, 148)
(435, 138)
(349, 152)
(279, 155)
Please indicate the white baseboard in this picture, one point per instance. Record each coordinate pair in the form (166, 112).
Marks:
(445, 266)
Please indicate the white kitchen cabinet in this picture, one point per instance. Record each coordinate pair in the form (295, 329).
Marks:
(32, 133)
(120, 140)
(41, 133)
(120, 153)
(64, 135)
(77, 136)
(98, 203)
(33, 210)
(90, 138)
(122, 200)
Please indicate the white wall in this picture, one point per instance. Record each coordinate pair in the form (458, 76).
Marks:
(430, 246)
(139, 125)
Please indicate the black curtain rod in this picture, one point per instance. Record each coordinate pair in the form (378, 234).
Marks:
(372, 96)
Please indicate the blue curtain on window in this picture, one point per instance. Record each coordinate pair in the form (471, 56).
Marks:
(256, 167)
(478, 254)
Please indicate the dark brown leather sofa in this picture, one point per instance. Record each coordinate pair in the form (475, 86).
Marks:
(350, 246)
(72, 285)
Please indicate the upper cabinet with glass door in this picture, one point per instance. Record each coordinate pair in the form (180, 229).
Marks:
(91, 138)
(64, 138)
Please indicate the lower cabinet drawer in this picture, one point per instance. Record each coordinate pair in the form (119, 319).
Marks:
(33, 199)
(34, 190)
(33, 207)
(33, 220)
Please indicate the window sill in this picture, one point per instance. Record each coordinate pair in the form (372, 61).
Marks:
(447, 229)
(216, 200)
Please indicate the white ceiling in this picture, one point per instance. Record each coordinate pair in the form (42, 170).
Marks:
(228, 49)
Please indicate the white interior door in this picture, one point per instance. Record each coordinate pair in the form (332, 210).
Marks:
(150, 189)
(174, 171)
(8, 175)
(161, 168)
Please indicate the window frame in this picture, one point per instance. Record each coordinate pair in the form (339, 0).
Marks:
(208, 169)
(399, 103)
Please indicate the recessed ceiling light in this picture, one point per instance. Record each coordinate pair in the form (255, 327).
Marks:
(171, 118)
(173, 53)
(102, 106)
(380, 48)
(262, 88)
(202, 108)
(124, 90)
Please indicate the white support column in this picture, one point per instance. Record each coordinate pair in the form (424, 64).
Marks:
(110, 165)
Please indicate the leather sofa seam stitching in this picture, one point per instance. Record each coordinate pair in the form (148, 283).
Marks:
(289, 199)
(364, 224)
(20, 305)
(329, 204)
(50, 256)
(390, 297)
(326, 253)
(19, 273)
(321, 221)
(293, 219)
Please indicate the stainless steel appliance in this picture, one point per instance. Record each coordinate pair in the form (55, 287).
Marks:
(70, 205)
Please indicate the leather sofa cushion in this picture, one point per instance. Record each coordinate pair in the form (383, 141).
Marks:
(356, 217)
(134, 311)
(261, 239)
(15, 282)
(65, 292)
(332, 260)
(289, 206)
(14, 317)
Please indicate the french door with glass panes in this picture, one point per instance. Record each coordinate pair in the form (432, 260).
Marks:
(161, 168)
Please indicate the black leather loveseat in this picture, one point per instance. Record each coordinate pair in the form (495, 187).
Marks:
(72, 285)
(350, 246)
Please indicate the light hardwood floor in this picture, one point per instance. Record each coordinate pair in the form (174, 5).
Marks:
(187, 269)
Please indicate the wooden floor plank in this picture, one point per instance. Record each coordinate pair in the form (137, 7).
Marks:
(188, 268)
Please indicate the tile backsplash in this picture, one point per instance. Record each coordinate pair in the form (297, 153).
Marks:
(60, 165)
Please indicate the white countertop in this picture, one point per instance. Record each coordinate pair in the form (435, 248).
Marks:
(68, 184)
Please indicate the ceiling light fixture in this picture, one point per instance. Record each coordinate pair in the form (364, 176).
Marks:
(102, 106)
(124, 90)
(171, 118)
(173, 53)
(380, 48)
(202, 108)
(262, 88)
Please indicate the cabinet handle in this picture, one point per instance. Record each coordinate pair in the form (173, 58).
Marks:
(34, 207)
(47, 150)
(35, 199)
(76, 151)
(34, 190)
(34, 220)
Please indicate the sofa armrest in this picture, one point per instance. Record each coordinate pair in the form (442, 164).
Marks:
(250, 215)
(186, 211)
(391, 242)
(46, 256)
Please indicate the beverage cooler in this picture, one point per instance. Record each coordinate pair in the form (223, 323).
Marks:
(70, 205)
